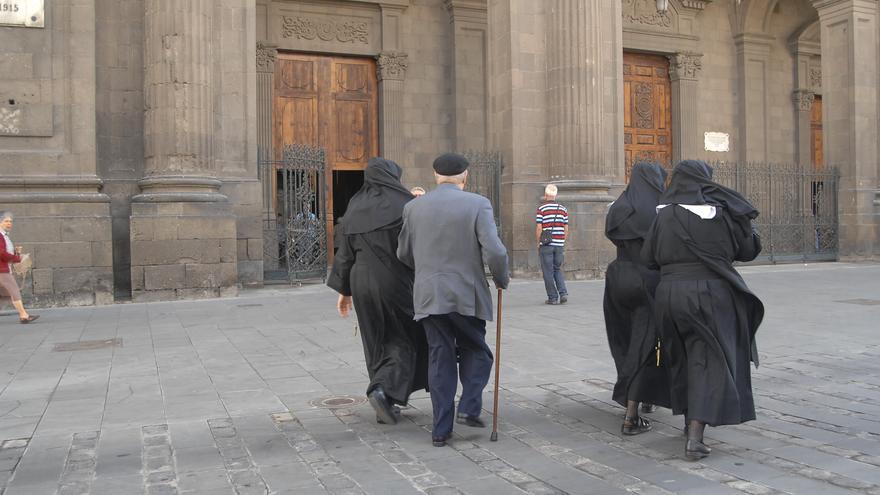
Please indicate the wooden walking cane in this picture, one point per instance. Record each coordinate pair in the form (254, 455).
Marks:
(494, 436)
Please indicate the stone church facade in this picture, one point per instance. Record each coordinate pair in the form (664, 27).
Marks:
(130, 130)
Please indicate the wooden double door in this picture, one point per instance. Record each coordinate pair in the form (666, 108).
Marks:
(330, 102)
(647, 115)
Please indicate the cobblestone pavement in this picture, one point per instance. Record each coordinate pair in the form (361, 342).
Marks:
(231, 396)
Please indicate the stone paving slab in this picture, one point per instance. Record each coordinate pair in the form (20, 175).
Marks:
(225, 397)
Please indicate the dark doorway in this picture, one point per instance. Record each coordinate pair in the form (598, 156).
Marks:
(345, 184)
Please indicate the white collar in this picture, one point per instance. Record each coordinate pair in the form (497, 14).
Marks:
(706, 212)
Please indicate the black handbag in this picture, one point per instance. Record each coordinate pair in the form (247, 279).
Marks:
(546, 237)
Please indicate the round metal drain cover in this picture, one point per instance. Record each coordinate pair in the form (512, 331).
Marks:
(337, 401)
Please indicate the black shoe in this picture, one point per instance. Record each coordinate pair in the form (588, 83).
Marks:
(379, 401)
(563, 299)
(695, 450)
(441, 440)
(551, 301)
(635, 426)
(394, 409)
(648, 408)
(472, 421)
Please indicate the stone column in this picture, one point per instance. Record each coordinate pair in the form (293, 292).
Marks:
(183, 234)
(391, 71)
(584, 78)
(585, 128)
(803, 107)
(753, 56)
(850, 121)
(266, 56)
(684, 72)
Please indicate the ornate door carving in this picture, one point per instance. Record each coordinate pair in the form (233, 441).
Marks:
(329, 102)
(818, 152)
(647, 104)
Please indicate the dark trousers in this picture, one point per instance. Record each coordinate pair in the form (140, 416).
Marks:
(444, 333)
(552, 258)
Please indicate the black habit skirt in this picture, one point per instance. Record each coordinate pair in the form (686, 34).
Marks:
(394, 344)
(632, 334)
(704, 325)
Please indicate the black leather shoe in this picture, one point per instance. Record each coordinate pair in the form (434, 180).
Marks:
(384, 413)
(394, 409)
(472, 421)
(695, 450)
(635, 426)
(441, 440)
(648, 408)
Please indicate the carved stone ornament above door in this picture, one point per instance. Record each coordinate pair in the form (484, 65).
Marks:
(644, 13)
(352, 29)
(310, 28)
(644, 28)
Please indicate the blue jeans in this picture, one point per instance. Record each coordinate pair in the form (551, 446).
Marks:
(444, 334)
(552, 258)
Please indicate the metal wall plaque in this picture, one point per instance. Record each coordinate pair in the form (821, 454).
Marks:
(22, 13)
(717, 141)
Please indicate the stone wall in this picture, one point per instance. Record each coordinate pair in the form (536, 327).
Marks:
(119, 53)
(235, 146)
(429, 106)
(48, 159)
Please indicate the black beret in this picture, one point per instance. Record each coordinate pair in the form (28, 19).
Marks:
(450, 164)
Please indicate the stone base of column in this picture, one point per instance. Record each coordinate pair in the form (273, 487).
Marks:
(65, 226)
(859, 238)
(183, 250)
(587, 251)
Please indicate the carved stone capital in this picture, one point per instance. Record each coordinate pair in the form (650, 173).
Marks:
(266, 55)
(803, 99)
(391, 66)
(685, 65)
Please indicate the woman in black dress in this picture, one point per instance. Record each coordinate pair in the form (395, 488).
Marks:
(707, 314)
(629, 295)
(367, 274)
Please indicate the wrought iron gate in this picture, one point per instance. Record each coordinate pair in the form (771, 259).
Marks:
(484, 178)
(294, 214)
(798, 220)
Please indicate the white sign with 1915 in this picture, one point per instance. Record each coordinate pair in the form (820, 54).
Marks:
(22, 13)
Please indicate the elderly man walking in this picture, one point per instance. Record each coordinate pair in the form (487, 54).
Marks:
(446, 237)
(551, 232)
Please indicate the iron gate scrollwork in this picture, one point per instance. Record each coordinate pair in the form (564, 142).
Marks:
(484, 178)
(295, 211)
(798, 206)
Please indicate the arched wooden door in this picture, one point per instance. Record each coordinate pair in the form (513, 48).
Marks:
(329, 102)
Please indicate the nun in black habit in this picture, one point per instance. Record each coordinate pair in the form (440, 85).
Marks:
(367, 274)
(629, 295)
(707, 314)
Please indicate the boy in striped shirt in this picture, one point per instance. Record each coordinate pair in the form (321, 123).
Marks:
(552, 217)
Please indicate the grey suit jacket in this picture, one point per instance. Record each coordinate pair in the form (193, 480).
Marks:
(447, 235)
